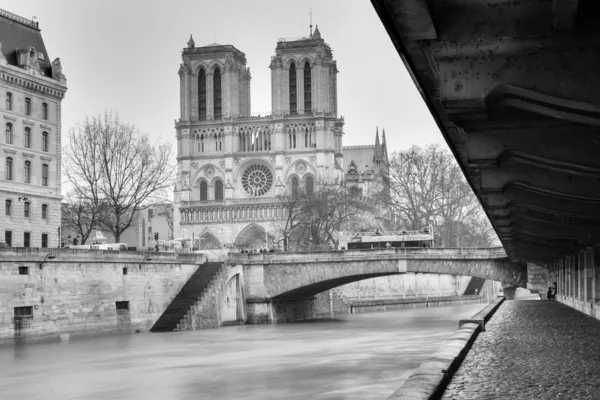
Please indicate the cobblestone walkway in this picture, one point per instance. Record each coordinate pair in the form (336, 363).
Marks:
(532, 350)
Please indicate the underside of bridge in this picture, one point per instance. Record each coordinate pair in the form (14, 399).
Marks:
(515, 89)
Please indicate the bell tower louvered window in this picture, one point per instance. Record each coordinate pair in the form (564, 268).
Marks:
(293, 92)
(202, 95)
(307, 89)
(217, 94)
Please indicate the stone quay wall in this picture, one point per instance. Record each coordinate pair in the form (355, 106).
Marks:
(86, 292)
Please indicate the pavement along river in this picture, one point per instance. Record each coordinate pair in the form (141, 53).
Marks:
(360, 356)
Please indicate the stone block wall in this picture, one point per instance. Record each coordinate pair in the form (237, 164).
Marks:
(80, 297)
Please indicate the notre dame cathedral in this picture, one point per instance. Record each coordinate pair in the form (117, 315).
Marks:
(232, 165)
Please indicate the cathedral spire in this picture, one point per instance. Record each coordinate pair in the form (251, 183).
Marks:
(376, 138)
(191, 43)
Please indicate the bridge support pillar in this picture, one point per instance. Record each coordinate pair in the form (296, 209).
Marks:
(275, 311)
(259, 311)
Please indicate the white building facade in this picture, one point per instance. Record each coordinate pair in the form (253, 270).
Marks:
(31, 91)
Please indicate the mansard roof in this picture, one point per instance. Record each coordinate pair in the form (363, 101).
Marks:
(18, 33)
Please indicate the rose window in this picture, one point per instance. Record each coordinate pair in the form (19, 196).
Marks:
(257, 180)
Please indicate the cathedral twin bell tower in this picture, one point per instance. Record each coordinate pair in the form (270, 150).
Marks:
(232, 165)
(303, 77)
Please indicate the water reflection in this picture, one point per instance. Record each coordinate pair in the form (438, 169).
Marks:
(364, 356)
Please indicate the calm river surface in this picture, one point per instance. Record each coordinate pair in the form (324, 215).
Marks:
(360, 356)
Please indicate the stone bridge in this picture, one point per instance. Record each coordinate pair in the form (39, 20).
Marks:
(286, 283)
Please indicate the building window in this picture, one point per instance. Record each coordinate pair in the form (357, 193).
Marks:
(8, 171)
(8, 100)
(45, 110)
(202, 95)
(26, 209)
(150, 213)
(24, 312)
(44, 240)
(8, 238)
(8, 137)
(310, 185)
(293, 93)
(217, 93)
(27, 239)
(8, 207)
(23, 270)
(307, 88)
(27, 106)
(219, 190)
(44, 174)
(203, 191)
(294, 186)
(124, 273)
(122, 305)
(27, 172)
(44, 211)
(45, 141)
(27, 137)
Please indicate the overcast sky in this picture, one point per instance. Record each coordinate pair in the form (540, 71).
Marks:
(124, 56)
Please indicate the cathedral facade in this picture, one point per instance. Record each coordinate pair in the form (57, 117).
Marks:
(232, 165)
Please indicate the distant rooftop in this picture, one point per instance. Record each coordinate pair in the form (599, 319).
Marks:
(313, 40)
(216, 48)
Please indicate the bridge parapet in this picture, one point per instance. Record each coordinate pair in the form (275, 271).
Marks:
(492, 253)
(25, 254)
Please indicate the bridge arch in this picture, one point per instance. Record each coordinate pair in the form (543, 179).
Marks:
(302, 275)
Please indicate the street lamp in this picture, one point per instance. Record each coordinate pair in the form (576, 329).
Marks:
(146, 258)
(49, 256)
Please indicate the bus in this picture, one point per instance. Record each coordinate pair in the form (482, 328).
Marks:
(378, 240)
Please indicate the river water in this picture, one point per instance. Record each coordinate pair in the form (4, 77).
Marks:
(359, 356)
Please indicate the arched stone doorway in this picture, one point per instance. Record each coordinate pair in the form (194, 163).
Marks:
(207, 241)
(253, 237)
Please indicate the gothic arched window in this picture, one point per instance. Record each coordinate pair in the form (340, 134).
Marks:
(293, 93)
(307, 88)
(203, 191)
(294, 186)
(202, 95)
(217, 94)
(219, 190)
(310, 185)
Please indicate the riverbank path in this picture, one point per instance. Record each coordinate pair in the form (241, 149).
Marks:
(532, 350)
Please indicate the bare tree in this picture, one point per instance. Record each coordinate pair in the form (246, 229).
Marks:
(293, 216)
(111, 164)
(326, 210)
(414, 180)
(79, 215)
(427, 184)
